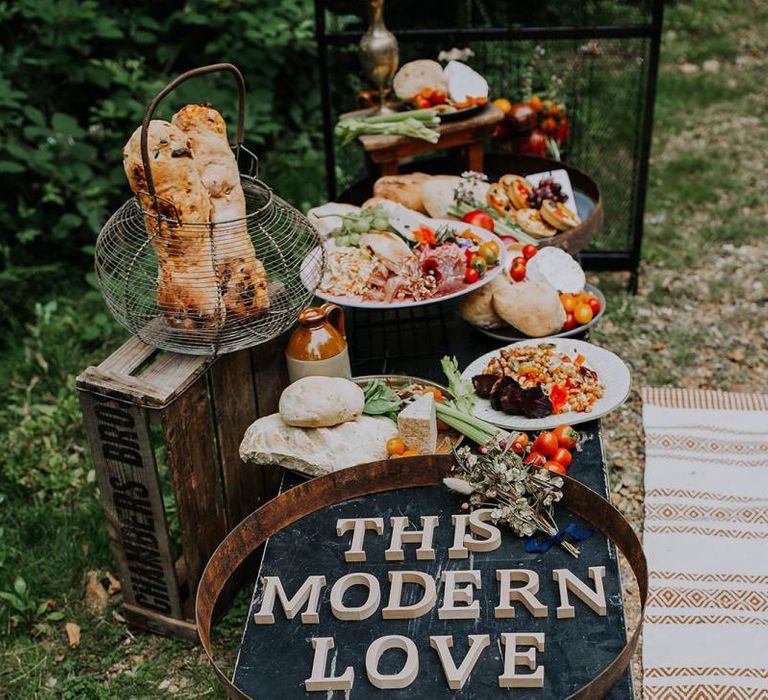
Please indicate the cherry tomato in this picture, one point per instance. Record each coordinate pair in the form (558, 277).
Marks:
(569, 302)
(479, 263)
(436, 393)
(566, 437)
(529, 251)
(519, 259)
(555, 467)
(594, 304)
(517, 271)
(480, 218)
(564, 457)
(549, 126)
(437, 97)
(583, 313)
(535, 103)
(536, 459)
(395, 446)
(490, 252)
(546, 443)
(471, 275)
(520, 443)
(570, 323)
(421, 102)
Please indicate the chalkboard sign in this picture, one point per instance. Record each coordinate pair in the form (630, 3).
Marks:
(556, 654)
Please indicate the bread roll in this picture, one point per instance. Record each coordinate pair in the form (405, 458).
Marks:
(403, 189)
(531, 306)
(321, 402)
(187, 292)
(242, 276)
(477, 308)
(414, 76)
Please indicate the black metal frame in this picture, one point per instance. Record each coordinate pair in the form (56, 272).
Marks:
(624, 260)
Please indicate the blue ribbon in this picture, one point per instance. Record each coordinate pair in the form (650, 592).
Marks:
(572, 533)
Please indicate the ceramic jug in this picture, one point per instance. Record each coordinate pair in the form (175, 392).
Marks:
(318, 347)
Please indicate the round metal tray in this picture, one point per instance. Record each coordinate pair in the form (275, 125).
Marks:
(589, 202)
(511, 335)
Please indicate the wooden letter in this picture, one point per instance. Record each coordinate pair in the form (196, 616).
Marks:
(318, 680)
(358, 527)
(526, 594)
(459, 550)
(309, 591)
(566, 580)
(341, 611)
(465, 594)
(395, 610)
(478, 524)
(513, 657)
(405, 676)
(421, 537)
(457, 677)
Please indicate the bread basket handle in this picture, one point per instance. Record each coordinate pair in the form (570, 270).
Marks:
(202, 70)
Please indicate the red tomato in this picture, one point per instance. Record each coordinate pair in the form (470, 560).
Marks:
(566, 437)
(471, 275)
(535, 103)
(564, 457)
(536, 459)
(519, 259)
(437, 97)
(546, 443)
(558, 396)
(594, 304)
(480, 218)
(555, 467)
(517, 271)
(529, 251)
(520, 443)
(421, 102)
(570, 323)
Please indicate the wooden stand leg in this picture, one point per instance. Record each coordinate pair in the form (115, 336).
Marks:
(475, 158)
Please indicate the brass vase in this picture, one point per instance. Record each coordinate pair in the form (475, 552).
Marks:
(379, 52)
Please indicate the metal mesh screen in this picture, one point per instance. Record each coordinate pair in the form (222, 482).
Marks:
(601, 51)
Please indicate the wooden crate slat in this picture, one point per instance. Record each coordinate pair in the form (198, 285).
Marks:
(235, 409)
(125, 465)
(192, 462)
(160, 624)
(270, 377)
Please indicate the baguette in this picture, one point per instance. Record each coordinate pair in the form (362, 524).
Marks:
(187, 292)
(241, 274)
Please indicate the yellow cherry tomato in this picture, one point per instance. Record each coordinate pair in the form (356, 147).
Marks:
(490, 251)
(395, 446)
(569, 302)
(583, 313)
(504, 105)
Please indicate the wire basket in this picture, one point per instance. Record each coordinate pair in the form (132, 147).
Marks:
(207, 288)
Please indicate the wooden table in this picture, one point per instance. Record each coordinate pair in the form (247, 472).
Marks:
(386, 152)
(575, 652)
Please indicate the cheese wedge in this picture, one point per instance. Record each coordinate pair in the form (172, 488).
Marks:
(417, 425)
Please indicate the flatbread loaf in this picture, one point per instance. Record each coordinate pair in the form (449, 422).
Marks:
(187, 292)
(403, 189)
(414, 76)
(321, 402)
(317, 451)
(242, 276)
(477, 309)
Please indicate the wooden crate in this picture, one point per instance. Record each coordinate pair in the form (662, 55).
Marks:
(196, 409)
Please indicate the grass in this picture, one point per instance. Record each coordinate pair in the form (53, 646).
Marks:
(706, 189)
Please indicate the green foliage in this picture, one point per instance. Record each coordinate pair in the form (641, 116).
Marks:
(24, 609)
(76, 79)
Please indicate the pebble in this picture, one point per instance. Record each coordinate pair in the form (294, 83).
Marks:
(711, 65)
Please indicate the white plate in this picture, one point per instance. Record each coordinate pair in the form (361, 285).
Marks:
(561, 177)
(612, 373)
(358, 303)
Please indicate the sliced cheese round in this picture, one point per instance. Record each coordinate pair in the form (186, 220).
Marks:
(463, 82)
(555, 266)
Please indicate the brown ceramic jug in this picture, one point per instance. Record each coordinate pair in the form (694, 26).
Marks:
(318, 347)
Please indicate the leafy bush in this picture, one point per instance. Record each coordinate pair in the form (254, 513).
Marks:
(76, 79)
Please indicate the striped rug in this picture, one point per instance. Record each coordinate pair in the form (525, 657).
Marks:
(706, 539)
